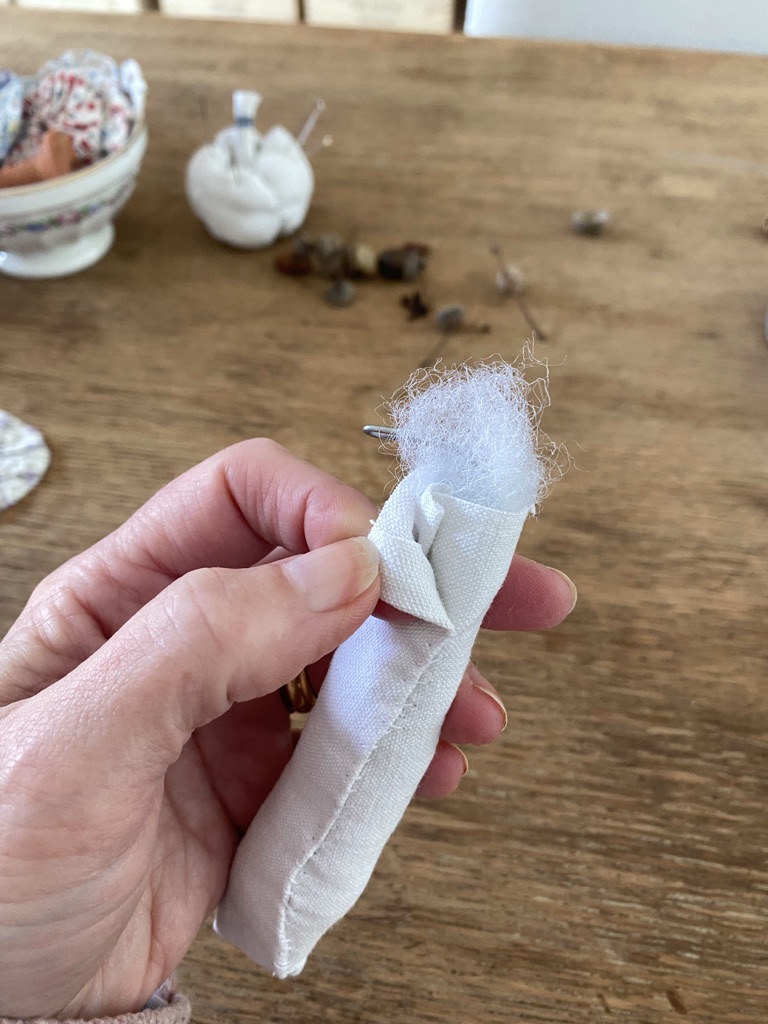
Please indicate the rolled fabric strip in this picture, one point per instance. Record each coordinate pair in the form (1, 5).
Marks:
(446, 538)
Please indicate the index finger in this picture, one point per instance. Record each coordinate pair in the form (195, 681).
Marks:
(230, 511)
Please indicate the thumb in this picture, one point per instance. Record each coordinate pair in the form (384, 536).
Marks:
(212, 638)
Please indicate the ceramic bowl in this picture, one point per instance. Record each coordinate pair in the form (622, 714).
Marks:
(58, 227)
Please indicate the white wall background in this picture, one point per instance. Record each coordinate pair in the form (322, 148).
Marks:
(735, 25)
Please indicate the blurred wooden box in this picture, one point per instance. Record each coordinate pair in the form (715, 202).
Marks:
(435, 16)
(284, 11)
(109, 6)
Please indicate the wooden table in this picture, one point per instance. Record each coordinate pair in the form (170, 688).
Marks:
(607, 859)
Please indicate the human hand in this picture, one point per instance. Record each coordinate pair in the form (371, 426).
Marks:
(141, 727)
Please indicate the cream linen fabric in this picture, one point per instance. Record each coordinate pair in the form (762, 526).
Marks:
(313, 845)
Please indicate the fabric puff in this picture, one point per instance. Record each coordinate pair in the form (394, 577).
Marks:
(67, 102)
(86, 96)
(91, 64)
(11, 107)
(134, 86)
(104, 73)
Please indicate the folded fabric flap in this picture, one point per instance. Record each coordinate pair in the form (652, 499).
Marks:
(441, 555)
(404, 533)
(407, 579)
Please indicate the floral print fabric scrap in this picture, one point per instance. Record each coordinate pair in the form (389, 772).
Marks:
(24, 459)
(64, 102)
(88, 97)
(11, 104)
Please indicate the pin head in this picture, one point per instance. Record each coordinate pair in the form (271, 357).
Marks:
(380, 433)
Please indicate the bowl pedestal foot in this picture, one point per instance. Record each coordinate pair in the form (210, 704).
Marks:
(62, 259)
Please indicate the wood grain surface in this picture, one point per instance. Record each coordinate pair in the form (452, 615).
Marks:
(606, 860)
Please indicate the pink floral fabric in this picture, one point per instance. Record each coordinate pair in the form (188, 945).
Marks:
(84, 95)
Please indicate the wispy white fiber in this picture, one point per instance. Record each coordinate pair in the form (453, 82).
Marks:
(475, 429)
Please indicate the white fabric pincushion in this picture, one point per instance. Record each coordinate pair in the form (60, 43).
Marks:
(446, 538)
(247, 188)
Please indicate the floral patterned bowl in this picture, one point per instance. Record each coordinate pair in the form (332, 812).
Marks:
(61, 226)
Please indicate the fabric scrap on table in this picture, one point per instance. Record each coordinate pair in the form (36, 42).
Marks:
(24, 459)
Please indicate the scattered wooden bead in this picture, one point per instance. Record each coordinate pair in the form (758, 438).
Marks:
(328, 255)
(401, 264)
(449, 319)
(361, 260)
(293, 264)
(413, 264)
(589, 222)
(510, 280)
(341, 293)
(301, 245)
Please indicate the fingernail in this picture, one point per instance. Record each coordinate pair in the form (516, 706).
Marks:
(480, 683)
(334, 576)
(571, 587)
(464, 757)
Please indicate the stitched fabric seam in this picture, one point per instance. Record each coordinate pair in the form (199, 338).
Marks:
(300, 868)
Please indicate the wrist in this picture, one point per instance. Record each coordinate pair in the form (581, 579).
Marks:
(166, 1006)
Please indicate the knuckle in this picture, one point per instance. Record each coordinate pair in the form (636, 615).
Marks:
(261, 449)
(199, 605)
